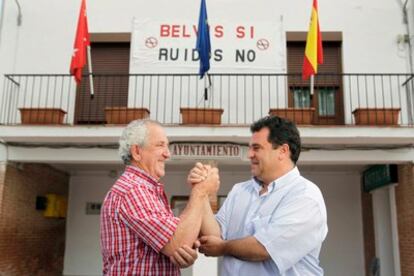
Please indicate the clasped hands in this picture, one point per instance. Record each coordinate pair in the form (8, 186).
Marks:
(206, 179)
(210, 246)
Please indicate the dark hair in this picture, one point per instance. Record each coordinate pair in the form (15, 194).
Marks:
(281, 131)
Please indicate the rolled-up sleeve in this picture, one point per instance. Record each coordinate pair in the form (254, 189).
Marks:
(221, 219)
(297, 228)
(143, 213)
(223, 214)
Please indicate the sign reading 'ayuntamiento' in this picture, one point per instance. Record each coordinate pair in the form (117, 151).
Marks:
(208, 150)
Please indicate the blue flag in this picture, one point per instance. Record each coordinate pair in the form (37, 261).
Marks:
(203, 45)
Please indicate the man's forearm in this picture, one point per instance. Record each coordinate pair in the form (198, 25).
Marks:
(209, 224)
(247, 249)
(190, 223)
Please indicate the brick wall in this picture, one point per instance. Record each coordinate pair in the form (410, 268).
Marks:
(368, 230)
(30, 244)
(2, 175)
(404, 193)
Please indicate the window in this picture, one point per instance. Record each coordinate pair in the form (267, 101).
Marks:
(327, 96)
(326, 102)
(110, 65)
(111, 89)
(326, 99)
(301, 97)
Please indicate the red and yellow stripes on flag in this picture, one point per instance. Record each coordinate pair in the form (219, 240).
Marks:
(313, 51)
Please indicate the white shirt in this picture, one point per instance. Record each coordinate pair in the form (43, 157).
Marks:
(289, 221)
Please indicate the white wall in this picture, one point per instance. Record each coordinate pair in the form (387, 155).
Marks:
(82, 252)
(43, 43)
(342, 252)
(1, 16)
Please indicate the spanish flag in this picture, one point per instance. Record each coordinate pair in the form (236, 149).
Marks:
(313, 51)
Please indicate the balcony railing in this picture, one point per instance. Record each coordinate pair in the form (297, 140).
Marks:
(345, 99)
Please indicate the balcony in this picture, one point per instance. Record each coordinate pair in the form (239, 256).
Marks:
(346, 99)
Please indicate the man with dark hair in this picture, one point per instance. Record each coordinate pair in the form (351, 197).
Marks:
(280, 132)
(275, 223)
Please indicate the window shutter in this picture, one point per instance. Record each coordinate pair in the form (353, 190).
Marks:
(110, 90)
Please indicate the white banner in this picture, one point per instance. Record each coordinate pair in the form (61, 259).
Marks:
(165, 45)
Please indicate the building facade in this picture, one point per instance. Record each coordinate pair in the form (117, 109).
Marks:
(58, 143)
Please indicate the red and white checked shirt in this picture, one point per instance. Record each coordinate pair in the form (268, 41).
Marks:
(136, 223)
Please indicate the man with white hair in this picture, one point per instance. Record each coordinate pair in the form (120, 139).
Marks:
(139, 233)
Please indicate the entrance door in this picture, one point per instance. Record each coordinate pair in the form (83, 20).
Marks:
(327, 98)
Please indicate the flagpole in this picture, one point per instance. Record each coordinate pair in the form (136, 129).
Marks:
(313, 48)
(203, 47)
(311, 84)
(90, 72)
(207, 87)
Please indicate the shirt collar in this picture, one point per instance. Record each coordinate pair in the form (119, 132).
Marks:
(284, 180)
(287, 178)
(257, 184)
(142, 174)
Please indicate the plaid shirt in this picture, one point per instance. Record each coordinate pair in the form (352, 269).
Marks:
(136, 223)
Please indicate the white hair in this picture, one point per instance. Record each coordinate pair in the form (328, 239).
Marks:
(135, 133)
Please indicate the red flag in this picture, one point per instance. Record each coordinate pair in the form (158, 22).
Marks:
(313, 51)
(79, 55)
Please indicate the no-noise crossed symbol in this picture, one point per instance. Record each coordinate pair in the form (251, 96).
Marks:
(262, 44)
(151, 42)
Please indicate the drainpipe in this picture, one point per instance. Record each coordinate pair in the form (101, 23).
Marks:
(409, 86)
(408, 35)
(19, 13)
(19, 23)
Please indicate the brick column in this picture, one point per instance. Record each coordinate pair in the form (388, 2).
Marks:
(2, 177)
(404, 193)
(30, 244)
